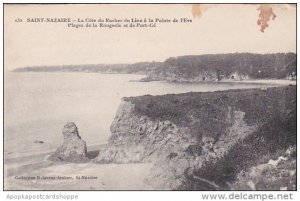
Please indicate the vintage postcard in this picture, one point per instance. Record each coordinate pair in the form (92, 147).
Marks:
(150, 97)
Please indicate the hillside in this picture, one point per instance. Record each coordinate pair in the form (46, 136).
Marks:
(136, 68)
(208, 141)
(211, 67)
(216, 67)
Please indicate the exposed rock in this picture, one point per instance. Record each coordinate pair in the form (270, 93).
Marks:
(139, 139)
(201, 141)
(276, 162)
(73, 148)
(195, 156)
(268, 176)
(284, 188)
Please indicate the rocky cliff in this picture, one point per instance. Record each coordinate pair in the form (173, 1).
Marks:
(202, 141)
(216, 67)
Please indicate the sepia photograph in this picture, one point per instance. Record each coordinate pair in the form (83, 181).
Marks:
(150, 97)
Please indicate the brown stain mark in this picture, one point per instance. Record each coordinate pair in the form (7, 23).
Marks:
(196, 10)
(265, 15)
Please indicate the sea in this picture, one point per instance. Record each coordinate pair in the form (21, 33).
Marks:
(38, 104)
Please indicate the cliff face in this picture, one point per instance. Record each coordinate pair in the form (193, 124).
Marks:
(202, 141)
(137, 138)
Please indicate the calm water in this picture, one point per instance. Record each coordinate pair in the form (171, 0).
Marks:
(37, 105)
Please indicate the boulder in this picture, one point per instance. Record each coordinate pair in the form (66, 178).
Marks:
(73, 148)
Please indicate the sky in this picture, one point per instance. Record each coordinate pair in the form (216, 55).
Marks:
(216, 28)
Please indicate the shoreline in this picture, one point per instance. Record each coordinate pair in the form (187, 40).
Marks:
(94, 147)
(263, 81)
(73, 176)
(82, 176)
(146, 79)
(38, 165)
(249, 81)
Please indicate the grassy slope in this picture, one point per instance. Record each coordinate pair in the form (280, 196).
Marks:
(273, 110)
(206, 112)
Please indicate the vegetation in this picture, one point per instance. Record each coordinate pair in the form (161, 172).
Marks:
(272, 110)
(137, 68)
(278, 65)
(206, 112)
(271, 140)
(256, 66)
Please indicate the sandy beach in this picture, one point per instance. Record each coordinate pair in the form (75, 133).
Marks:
(263, 81)
(37, 173)
(83, 177)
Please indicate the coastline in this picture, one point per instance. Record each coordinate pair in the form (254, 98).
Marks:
(114, 175)
(206, 135)
(20, 165)
(245, 81)
(35, 172)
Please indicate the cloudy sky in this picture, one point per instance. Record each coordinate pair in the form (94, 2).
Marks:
(219, 29)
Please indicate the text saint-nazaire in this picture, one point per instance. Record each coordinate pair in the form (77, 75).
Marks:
(39, 19)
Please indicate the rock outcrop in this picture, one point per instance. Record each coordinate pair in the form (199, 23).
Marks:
(202, 141)
(73, 149)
